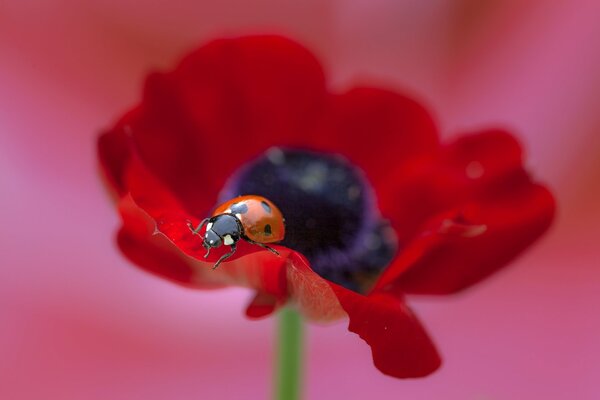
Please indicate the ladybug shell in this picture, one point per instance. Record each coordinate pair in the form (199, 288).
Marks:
(261, 219)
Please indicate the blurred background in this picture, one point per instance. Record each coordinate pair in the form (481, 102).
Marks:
(79, 322)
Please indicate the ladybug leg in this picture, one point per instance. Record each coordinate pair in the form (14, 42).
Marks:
(264, 246)
(272, 250)
(199, 227)
(225, 257)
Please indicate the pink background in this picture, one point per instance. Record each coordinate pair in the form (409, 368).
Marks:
(79, 322)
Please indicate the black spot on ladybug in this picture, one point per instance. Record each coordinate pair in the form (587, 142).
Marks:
(267, 229)
(239, 208)
(266, 206)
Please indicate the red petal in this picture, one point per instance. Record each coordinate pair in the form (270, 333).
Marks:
(224, 104)
(378, 130)
(400, 345)
(312, 294)
(485, 206)
(455, 174)
(155, 253)
(252, 91)
(171, 147)
(467, 245)
(262, 305)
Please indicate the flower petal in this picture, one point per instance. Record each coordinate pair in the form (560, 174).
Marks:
(456, 173)
(312, 294)
(378, 130)
(251, 90)
(154, 252)
(224, 104)
(463, 246)
(262, 305)
(400, 345)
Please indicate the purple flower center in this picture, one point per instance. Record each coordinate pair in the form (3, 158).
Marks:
(330, 212)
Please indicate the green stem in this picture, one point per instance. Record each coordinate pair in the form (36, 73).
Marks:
(288, 375)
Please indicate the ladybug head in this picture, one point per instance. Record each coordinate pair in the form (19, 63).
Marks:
(211, 239)
(222, 229)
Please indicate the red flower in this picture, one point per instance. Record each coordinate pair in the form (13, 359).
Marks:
(459, 211)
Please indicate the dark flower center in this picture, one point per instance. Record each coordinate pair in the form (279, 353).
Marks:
(329, 209)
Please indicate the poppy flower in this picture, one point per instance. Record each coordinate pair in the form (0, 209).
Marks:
(376, 207)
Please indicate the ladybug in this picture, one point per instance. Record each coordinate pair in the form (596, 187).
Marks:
(252, 218)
